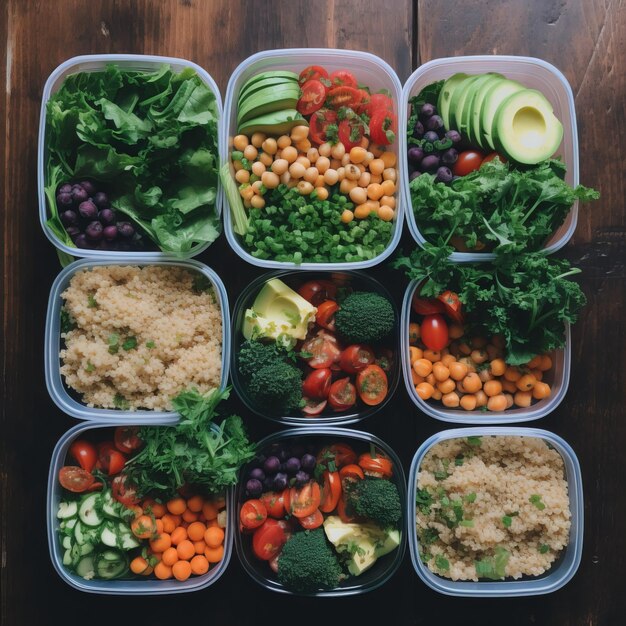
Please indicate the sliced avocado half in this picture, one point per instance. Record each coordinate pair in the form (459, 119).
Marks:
(475, 135)
(466, 112)
(497, 94)
(458, 101)
(262, 84)
(268, 100)
(445, 96)
(274, 123)
(286, 74)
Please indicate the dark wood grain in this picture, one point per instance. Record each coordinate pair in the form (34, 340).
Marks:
(585, 39)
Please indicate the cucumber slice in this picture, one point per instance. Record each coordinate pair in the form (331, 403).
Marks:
(88, 510)
(67, 509)
(85, 567)
(67, 557)
(79, 535)
(67, 542)
(109, 509)
(86, 548)
(108, 537)
(128, 541)
(70, 524)
(111, 564)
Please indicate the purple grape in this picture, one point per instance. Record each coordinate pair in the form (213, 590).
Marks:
(444, 175)
(431, 136)
(101, 200)
(125, 229)
(106, 216)
(292, 465)
(94, 231)
(454, 136)
(302, 478)
(428, 110)
(65, 188)
(280, 481)
(88, 186)
(283, 455)
(268, 484)
(257, 473)
(72, 231)
(81, 241)
(109, 232)
(79, 195)
(430, 163)
(418, 131)
(88, 210)
(308, 462)
(415, 154)
(69, 218)
(254, 488)
(415, 175)
(271, 465)
(64, 200)
(449, 156)
(434, 123)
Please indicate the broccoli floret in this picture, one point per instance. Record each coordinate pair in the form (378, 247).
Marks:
(376, 499)
(364, 317)
(253, 355)
(277, 387)
(308, 563)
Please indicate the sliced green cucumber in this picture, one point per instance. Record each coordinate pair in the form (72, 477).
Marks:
(67, 557)
(67, 542)
(110, 510)
(79, 535)
(85, 567)
(69, 524)
(127, 540)
(108, 537)
(88, 510)
(111, 564)
(67, 509)
(86, 548)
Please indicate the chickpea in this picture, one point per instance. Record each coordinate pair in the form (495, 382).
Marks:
(508, 385)
(415, 353)
(523, 398)
(497, 403)
(364, 210)
(471, 366)
(325, 149)
(377, 166)
(468, 402)
(526, 382)
(492, 388)
(454, 348)
(256, 186)
(431, 379)
(285, 178)
(335, 163)
(538, 374)
(247, 203)
(270, 146)
(472, 383)
(357, 154)
(331, 177)
(341, 173)
(242, 176)
(352, 172)
(311, 174)
(345, 159)
(535, 362)
(389, 159)
(388, 187)
(246, 192)
(498, 367)
(240, 142)
(297, 170)
(283, 141)
(289, 153)
(319, 181)
(448, 359)
(479, 355)
(362, 168)
(390, 174)
(416, 379)
(250, 152)
(546, 363)
(375, 191)
(303, 161)
(358, 195)
(346, 186)
(323, 163)
(258, 202)
(455, 331)
(298, 133)
(364, 180)
(541, 391)
(270, 180)
(423, 367)
(258, 168)
(312, 154)
(280, 166)
(432, 355)
(440, 371)
(322, 193)
(493, 352)
(347, 216)
(389, 201)
(303, 145)
(266, 159)
(464, 348)
(369, 157)
(481, 398)
(509, 400)
(512, 374)
(376, 150)
(376, 178)
(424, 390)
(304, 187)
(446, 386)
(437, 395)
(485, 375)
(386, 213)
(338, 150)
(451, 400)
(237, 165)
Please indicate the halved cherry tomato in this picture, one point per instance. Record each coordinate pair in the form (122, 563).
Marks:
(84, 452)
(274, 504)
(95, 486)
(325, 316)
(287, 500)
(305, 500)
(372, 385)
(378, 101)
(339, 454)
(315, 520)
(313, 72)
(452, 305)
(331, 491)
(342, 394)
(317, 384)
(351, 472)
(324, 350)
(343, 96)
(319, 123)
(110, 459)
(468, 161)
(351, 132)
(343, 77)
(313, 407)
(376, 465)
(123, 491)
(365, 99)
(252, 514)
(356, 357)
(426, 306)
(493, 155)
(76, 479)
(268, 540)
(312, 98)
(317, 291)
(383, 127)
(126, 439)
(434, 332)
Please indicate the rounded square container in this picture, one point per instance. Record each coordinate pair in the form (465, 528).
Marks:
(562, 570)
(142, 586)
(57, 389)
(369, 70)
(530, 72)
(94, 63)
(294, 279)
(557, 378)
(371, 579)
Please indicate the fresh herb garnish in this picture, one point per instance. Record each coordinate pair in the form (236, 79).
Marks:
(129, 343)
(92, 302)
(474, 441)
(120, 402)
(507, 520)
(442, 563)
(536, 500)
(67, 321)
(543, 548)
(114, 343)
(423, 500)
(90, 367)
(150, 345)
(493, 567)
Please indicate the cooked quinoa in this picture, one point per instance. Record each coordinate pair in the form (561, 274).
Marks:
(491, 507)
(140, 336)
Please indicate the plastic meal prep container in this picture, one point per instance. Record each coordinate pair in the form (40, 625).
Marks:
(67, 400)
(385, 566)
(557, 378)
(294, 279)
(562, 570)
(94, 63)
(369, 70)
(134, 586)
(530, 72)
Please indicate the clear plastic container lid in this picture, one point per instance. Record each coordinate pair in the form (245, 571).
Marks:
(70, 402)
(369, 70)
(95, 63)
(562, 570)
(295, 278)
(531, 72)
(385, 566)
(557, 378)
(135, 586)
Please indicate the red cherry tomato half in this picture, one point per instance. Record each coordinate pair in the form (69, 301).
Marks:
(383, 127)
(351, 132)
(324, 350)
(351, 472)
(343, 96)
(426, 306)
(268, 540)
(313, 407)
(274, 504)
(377, 465)
(110, 459)
(313, 72)
(126, 439)
(318, 291)
(468, 161)
(452, 305)
(377, 101)
(365, 99)
(74, 478)
(434, 332)
(372, 385)
(84, 452)
(493, 155)
(356, 357)
(342, 394)
(317, 384)
(312, 98)
(252, 514)
(331, 491)
(338, 453)
(315, 520)
(319, 123)
(325, 316)
(343, 77)
(123, 491)
(305, 500)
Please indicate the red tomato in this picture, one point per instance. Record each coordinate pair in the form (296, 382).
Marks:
(317, 291)
(365, 99)
(468, 161)
(126, 439)
(331, 491)
(84, 452)
(378, 465)
(342, 394)
(313, 72)
(287, 500)
(325, 316)
(74, 478)
(493, 155)
(356, 357)
(252, 514)
(268, 540)
(317, 384)
(343, 77)
(351, 132)
(377, 101)
(452, 305)
(372, 385)
(305, 500)
(95, 486)
(383, 127)
(315, 520)
(434, 332)
(274, 504)
(123, 491)
(351, 472)
(319, 123)
(312, 98)
(426, 306)
(343, 96)
(313, 407)
(324, 350)
(338, 453)
(110, 459)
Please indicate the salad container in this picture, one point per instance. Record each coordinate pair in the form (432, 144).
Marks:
(532, 73)
(562, 570)
(368, 69)
(385, 566)
(292, 278)
(94, 63)
(120, 586)
(557, 378)
(67, 400)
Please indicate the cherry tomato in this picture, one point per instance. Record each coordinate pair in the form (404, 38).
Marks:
(372, 385)
(123, 491)
(74, 478)
(319, 123)
(110, 459)
(313, 72)
(452, 305)
(331, 491)
(305, 500)
(364, 101)
(383, 127)
(338, 453)
(315, 520)
(324, 350)
(351, 472)
(434, 332)
(377, 101)
(268, 540)
(274, 504)
(356, 357)
(342, 394)
(343, 77)
(126, 439)
(317, 384)
(376, 465)
(468, 161)
(287, 500)
(351, 132)
(426, 306)
(252, 514)
(312, 98)
(493, 155)
(343, 96)
(325, 316)
(313, 407)
(317, 291)
(84, 452)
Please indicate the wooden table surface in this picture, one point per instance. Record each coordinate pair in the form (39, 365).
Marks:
(586, 39)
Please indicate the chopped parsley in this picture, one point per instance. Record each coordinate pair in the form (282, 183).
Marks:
(130, 343)
(442, 563)
(507, 520)
(543, 548)
(114, 343)
(150, 345)
(493, 567)
(90, 367)
(470, 497)
(92, 303)
(536, 500)
(474, 441)
(424, 501)
(67, 321)
(459, 460)
(121, 402)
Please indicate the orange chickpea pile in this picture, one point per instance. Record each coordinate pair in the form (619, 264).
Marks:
(186, 536)
(472, 374)
(367, 173)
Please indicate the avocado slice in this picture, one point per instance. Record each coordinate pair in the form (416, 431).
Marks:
(525, 128)
(274, 123)
(456, 113)
(477, 105)
(262, 84)
(493, 98)
(284, 74)
(268, 100)
(445, 96)
(468, 103)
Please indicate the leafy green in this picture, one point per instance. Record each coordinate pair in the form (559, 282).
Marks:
(67, 321)
(493, 567)
(442, 563)
(150, 139)
(424, 500)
